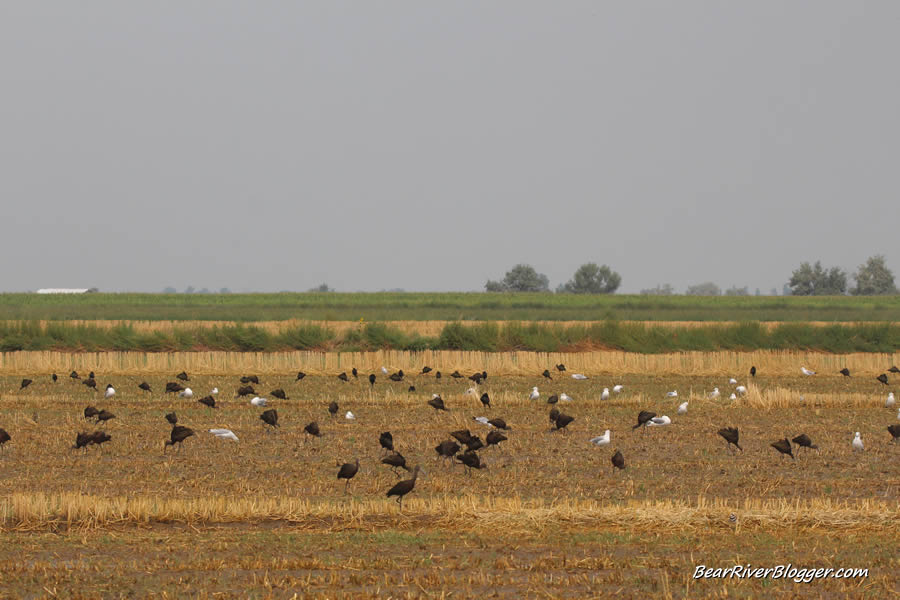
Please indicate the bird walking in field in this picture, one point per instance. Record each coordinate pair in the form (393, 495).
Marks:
(395, 461)
(83, 440)
(343, 377)
(270, 418)
(183, 376)
(104, 415)
(845, 372)
(348, 471)
(470, 460)
(486, 400)
(784, 447)
(643, 418)
(752, 371)
(601, 440)
(889, 402)
(563, 420)
(741, 390)
(604, 395)
(561, 367)
(372, 379)
(402, 488)
(333, 408)
(894, 430)
(882, 379)
(437, 403)
(713, 394)
(4, 438)
(494, 438)
(178, 435)
(447, 449)
(682, 408)
(278, 393)
(90, 412)
(110, 391)
(172, 418)
(145, 387)
(553, 399)
(224, 434)
(313, 429)
(857, 443)
(546, 374)
(207, 401)
(803, 441)
(617, 389)
(25, 383)
(807, 372)
(386, 441)
(173, 387)
(186, 393)
(300, 376)
(731, 436)
(618, 461)
(659, 421)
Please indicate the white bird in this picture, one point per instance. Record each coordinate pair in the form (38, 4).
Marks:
(807, 371)
(214, 391)
(890, 400)
(714, 393)
(617, 389)
(605, 394)
(110, 391)
(578, 376)
(534, 394)
(672, 394)
(732, 381)
(186, 393)
(857, 442)
(564, 397)
(682, 408)
(659, 421)
(482, 420)
(257, 401)
(471, 392)
(741, 390)
(350, 416)
(224, 434)
(601, 440)
(384, 370)
(733, 396)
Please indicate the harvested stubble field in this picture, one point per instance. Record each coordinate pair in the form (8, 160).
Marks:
(266, 517)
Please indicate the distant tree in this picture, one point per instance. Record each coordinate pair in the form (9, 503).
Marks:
(815, 280)
(665, 289)
(224, 291)
(874, 278)
(189, 289)
(591, 278)
(521, 278)
(736, 291)
(704, 289)
(322, 288)
(170, 290)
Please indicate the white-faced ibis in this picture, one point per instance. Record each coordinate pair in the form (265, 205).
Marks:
(245, 390)
(426, 370)
(411, 389)
(178, 435)
(546, 374)
(110, 391)
(494, 438)
(99, 438)
(270, 417)
(554, 414)
(553, 399)
(83, 440)
(463, 436)
(395, 461)
(300, 375)
(90, 412)
(250, 379)
(437, 375)
(386, 440)
(313, 429)
(343, 377)
(437, 403)
(499, 424)
(561, 367)
(145, 386)
(471, 460)
(618, 461)
(882, 378)
(183, 376)
(731, 436)
(803, 441)
(354, 372)
(74, 375)
(563, 421)
(601, 440)
(894, 430)
(4, 437)
(478, 377)
(398, 376)
(857, 443)
(371, 378)
(333, 408)
(348, 471)
(104, 415)
(173, 387)
(224, 434)
(25, 383)
(172, 418)
(752, 371)
(643, 418)
(845, 372)
(278, 393)
(402, 488)
(457, 375)
(486, 400)
(447, 449)
(90, 383)
(207, 401)
(54, 377)
(784, 447)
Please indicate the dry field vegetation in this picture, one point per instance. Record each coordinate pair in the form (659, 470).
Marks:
(266, 517)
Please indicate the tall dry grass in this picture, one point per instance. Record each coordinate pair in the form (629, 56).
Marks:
(768, 363)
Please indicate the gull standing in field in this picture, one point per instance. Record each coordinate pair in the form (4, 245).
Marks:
(741, 390)
(601, 440)
(214, 391)
(733, 396)
(579, 376)
(564, 397)
(659, 421)
(713, 394)
(732, 381)
(672, 394)
(224, 434)
(110, 391)
(482, 420)
(384, 370)
(807, 371)
(682, 408)
(890, 400)
(535, 394)
(857, 443)
(350, 416)
(257, 401)
(617, 389)
(471, 392)
(186, 393)
(605, 394)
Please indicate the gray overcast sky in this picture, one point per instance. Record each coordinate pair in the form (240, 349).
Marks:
(269, 146)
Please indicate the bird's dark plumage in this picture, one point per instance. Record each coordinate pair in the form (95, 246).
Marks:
(546, 374)
(183, 376)
(494, 437)
(54, 377)
(270, 417)
(343, 377)
(411, 389)
(426, 370)
(752, 371)
(402, 488)
(145, 386)
(90, 412)
(348, 471)
(803, 441)
(245, 390)
(618, 461)
(178, 435)
(560, 367)
(386, 440)
(894, 430)
(91, 383)
(553, 399)
(499, 424)
(100, 437)
(395, 461)
(893, 369)
(554, 414)
(463, 436)
(173, 387)
(783, 446)
(313, 429)
(74, 375)
(845, 372)
(82, 440)
(563, 420)
(372, 379)
(207, 401)
(300, 375)
(172, 418)
(447, 449)
(731, 435)
(437, 404)
(250, 379)
(4, 437)
(354, 372)
(882, 378)
(643, 418)
(25, 384)
(471, 460)
(398, 376)
(486, 400)
(332, 408)
(104, 415)
(279, 393)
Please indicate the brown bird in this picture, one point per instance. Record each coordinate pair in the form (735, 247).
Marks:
(546, 374)
(618, 461)
(386, 440)
(25, 384)
(270, 417)
(402, 488)
(343, 377)
(354, 372)
(312, 429)
(560, 367)
(300, 375)
(104, 415)
(183, 376)
(99, 438)
(178, 435)
(250, 379)
(447, 449)
(437, 375)
(279, 393)
(463, 436)
(91, 383)
(90, 412)
(456, 375)
(752, 371)
(411, 389)
(333, 408)
(395, 461)
(74, 375)
(893, 369)
(499, 424)
(245, 390)
(554, 414)
(553, 399)
(471, 461)
(803, 441)
(783, 446)
(426, 370)
(172, 418)
(437, 403)
(643, 418)
(82, 440)
(348, 471)
(207, 401)
(173, 387)
(845, 372)
(486, 400)
(494, 438)
(372, 379)
(894, 430)
(145, 386)
(474, 444)
(882, 378)
(4, 437)
(478, 377)
(563, 420)
(731, 435)
(398, 376)
(54, 378)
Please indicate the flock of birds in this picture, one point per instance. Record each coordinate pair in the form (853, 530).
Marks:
(463, 447)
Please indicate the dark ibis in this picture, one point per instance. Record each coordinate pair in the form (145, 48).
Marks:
(486, 400)
(546, 374)
(371, 378)
(250, 379)
(270, 418)
(145, 386)
(300, 375)
(554, 414)
(437, 403)
(731, 436)
(893, 369)
(245, 390)
(178, 435)
(25, 383)
(74, 375)
(104, 415)
(894, 430)
(279, 393)
(4, 437)
(348, 471)
(386, 440)
(845, 372)
(411, 389)
(456, 375)
(172, 418)
(99, 438)
(395, 461)
(447, 449)
(54, 377)
(83, 440)
(643, 418)
(499, 424)
(882, 378)
(803, 441)
(173, 387)
(784, 447)
(618, 461)
(437, 375)
(752, 371)
(207, 401)
(560, 367)
(402, 488)
(313, 429)
(343, 377)
(494, 438)
(471, 460)
(354, 372)
(426, 370)
(398, 376)
(332, 408)
(90, 412)
(183, 376)
(563, 420)
(553, 399)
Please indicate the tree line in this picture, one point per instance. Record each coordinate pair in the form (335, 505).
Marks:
(871, 278)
